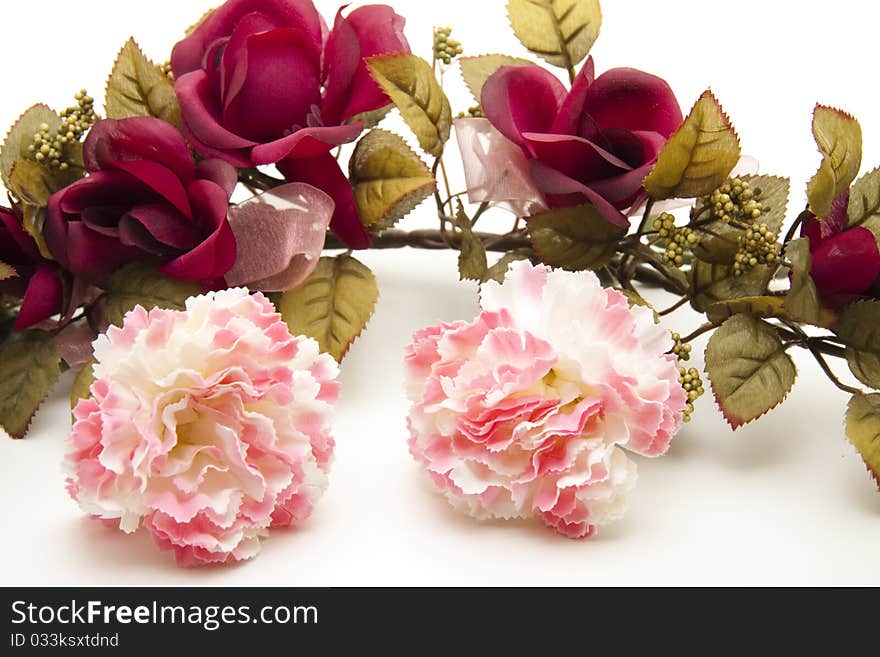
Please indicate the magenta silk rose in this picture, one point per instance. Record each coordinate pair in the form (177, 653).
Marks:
(144, 197)
(36, 282)
(594, 144)
(845, 261)
(264, 82)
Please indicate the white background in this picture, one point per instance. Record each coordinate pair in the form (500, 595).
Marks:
(784, 501)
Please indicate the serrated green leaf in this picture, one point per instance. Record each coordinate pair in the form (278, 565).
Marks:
(698, 157)
(136, 87)
(472, 264)
(82, 384)
(21, 135)
(498, 271)
(863, 430)
(476, 70)
(333, 305)
(561, 32)
(141, 284)
(388, 178)
(33, 183)
(372, 118)
(711, 283)
(29, 367)
(864, 203)
(802, 300)
(7, 271)
(410, 83)
(574, 238)
(765, 307)
(839, 138)
(859, 325)
(748, 368)
(865, 366)
(33, 218)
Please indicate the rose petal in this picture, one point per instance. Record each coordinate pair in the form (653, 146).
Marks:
(848, 262)
(166, 226)
(324, 173)
(569, 191)
(306, 143)
(42, 299)
(633, 100)
(74, 343)
(218, 172)
(518, 99)
(279, 237)
(568, 120)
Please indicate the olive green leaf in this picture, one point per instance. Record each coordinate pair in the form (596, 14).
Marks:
(82, 384)
(476, 70)
(6, 271)
(698, 157)
(574, 238)
(773, 193)
(472, 264)
(33, 218)
(333, 305)
(839, 138)
(141, 284)
(410, 83)
(859, 325)
(802, 300)
(29, 367)
(561, 32)
(864, 203)
(863, 430)
(136, 87)
(865, 366)
(711, 283)
(388, 178)
(766, 307)
(498, 271)
(21, 135)
(748, 368)
(33, 183)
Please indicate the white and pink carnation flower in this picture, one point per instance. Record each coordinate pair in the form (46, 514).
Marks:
(528, 410)
(207, 426)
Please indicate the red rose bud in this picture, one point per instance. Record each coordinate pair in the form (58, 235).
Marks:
(594, 144)
(144, 197)
(262, 82)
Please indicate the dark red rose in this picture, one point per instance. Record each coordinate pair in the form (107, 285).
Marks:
(144, 197)
(264, 82)
(594, 144)
(37, 282)
(846, 262)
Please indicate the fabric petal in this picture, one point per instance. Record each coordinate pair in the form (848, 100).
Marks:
(306, 143)
(634, 100)
(518, 99)
(845, 263)
(565, 191)
(279, 237)
(42, 299)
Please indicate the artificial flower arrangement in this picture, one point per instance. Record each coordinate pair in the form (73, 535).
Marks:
(207, 334)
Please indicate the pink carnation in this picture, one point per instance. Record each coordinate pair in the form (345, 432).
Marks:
(207, 426)
(527, 410)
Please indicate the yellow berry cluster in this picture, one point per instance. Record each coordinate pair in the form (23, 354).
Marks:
(48, 146)
(693, 386)
(445, 48)
(681, 350)
(676, 240)
(735, 201)
(166, 69)
(475, 112)
(757, 246)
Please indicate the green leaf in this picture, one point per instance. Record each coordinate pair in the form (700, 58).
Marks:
(865, 366)
(774, 194)
(802, 300)
(141, 284)
(863, 430)
(839, 138)
(410, 83)
(82, 384)
(498, 271)
(864, 203)
(7, 271)
(711, 283)
(476, 70)
(388, 178)
(561, 32)
(29, 367)
(33, 183)
(472, 264)
(765, 307)
(137, 87)
(748, 368)
(21, 135)
(574, 238)
(859, 325)
(699, 157)
(333, 305)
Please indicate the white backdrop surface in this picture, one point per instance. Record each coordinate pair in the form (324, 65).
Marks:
(783, 501)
